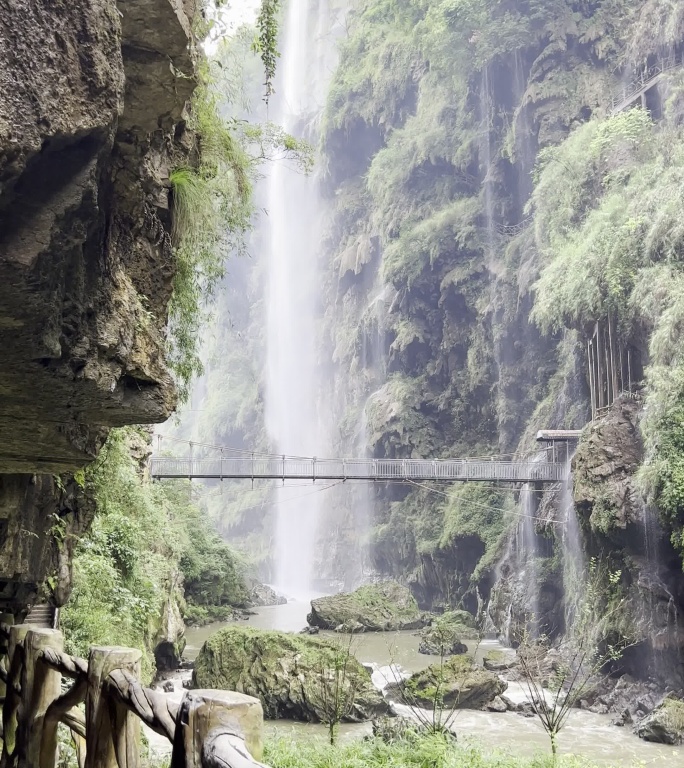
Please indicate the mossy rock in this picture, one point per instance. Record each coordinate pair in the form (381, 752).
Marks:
(665, 725)
(372, 608)
(444, 637)
(456, 683)
(292, 675)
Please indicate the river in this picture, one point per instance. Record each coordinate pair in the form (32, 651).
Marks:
(586, 734)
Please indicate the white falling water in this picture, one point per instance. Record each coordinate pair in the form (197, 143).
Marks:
(528, 557)
(574, 560)
(293, 226)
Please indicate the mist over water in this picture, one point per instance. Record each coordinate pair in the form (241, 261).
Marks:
(293, 234)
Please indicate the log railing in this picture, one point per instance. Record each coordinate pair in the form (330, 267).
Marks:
(206, 729)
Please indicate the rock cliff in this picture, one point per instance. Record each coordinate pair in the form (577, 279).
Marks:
(92, 94)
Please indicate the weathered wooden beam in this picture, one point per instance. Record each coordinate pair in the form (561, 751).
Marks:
(40, 686)
(69, 666)
(10, 709)
(155, 709)
(112, 732)
(61, 709)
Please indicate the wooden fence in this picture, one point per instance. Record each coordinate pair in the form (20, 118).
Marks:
(204, 729)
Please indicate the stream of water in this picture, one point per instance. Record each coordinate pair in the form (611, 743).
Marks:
(586, 734)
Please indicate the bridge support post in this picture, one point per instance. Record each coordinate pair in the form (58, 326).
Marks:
(112, 732)
(40, 686)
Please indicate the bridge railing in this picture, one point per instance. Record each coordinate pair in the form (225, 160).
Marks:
(203, 728)
(294, 468)
(628, 91)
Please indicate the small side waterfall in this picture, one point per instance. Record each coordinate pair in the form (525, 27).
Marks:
(528, 558)
(574, 560)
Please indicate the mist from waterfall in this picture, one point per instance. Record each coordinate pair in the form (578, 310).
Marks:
(293, 233)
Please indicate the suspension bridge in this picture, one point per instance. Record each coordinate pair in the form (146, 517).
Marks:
(271, 467)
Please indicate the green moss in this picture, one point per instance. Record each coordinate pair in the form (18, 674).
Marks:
(455, 683)
(288, 673)
(375, 607)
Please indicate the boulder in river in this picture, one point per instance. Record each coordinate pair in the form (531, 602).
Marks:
(293, 675)
(457, 683)
(444, 637)
(262, 595)
(378, 607)
(665, 725)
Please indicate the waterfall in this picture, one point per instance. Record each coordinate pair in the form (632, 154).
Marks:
(574, 561)
(528, 557)
(293, 234)
(486, 164)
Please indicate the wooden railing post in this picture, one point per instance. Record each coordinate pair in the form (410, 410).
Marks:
(40, 686)
(112, 732)
(219, 713)
(8, 620)
(10, 708)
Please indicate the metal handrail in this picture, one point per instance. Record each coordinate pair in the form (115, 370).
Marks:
(625, 94)
(295, 468)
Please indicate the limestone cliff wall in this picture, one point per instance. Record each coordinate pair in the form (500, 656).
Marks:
(92, 95)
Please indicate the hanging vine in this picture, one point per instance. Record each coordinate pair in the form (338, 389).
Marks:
(266, 42)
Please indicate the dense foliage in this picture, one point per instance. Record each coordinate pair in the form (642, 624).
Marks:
(608, 230)
(146, 537)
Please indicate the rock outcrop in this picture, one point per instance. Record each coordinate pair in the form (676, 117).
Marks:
(665, 725)
(262, 594)
(92, 94)
(169, 642)
(292, 675)
(444, 637)
(92, 99)
(458, 683)
(371, 608)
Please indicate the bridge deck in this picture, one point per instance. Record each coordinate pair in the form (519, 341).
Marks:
(452, 470)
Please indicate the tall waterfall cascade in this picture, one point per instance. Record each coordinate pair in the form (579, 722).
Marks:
(293, 230)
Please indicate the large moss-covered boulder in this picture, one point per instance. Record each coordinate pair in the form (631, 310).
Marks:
(665, 725)
(371, 608)
(293, 676)
(457, 683)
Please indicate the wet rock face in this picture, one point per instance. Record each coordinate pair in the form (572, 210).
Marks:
(665, 725)
(262, 594)
(40, 522)
(603, 469)
(91, 123)
(293, 676)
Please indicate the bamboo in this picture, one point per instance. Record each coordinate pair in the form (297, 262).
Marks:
(592, 389)
(622, 370)
(599, 377)
(612, 361)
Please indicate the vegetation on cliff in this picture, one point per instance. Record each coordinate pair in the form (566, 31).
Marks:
(145, 538)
